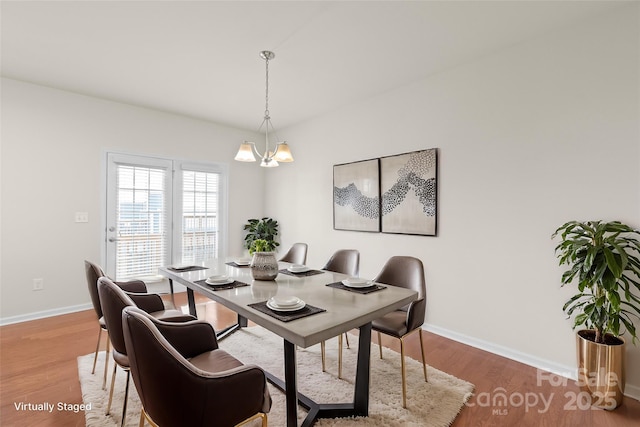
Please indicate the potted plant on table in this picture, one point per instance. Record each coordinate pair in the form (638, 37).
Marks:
(264, 265)
(603, 261)
(261, 229)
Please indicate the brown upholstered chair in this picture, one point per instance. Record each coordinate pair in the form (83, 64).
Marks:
(405, 272)
(184, 379)
(113, 300)
(93, 273)
(297, 254)
(345, 261)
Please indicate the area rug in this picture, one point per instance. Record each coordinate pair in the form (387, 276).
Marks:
(429, 404)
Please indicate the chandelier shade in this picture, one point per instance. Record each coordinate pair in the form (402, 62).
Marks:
(248, 150)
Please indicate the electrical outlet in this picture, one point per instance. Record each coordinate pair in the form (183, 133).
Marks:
(82, 216)
(38, 284)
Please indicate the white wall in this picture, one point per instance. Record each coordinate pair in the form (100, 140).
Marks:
(530, 137)
(52, 147)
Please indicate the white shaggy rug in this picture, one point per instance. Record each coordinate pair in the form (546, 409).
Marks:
(431, 404)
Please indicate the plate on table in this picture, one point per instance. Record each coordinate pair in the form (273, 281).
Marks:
(218, 280)
(298, 268)
(356, 282)
(180, 267)
(243, 261)
(285, 303)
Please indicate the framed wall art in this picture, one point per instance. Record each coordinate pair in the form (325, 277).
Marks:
(356, 196)
(408, 184)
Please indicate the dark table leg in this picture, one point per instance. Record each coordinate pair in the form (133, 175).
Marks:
(192, 302)
(361, 397)
(171, 290)
(291, 391)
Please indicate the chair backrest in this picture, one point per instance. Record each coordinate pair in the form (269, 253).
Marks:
(404, 272)
(93, 273)
(113, 300)
(297, 254)
(194, 400)
(345, 261)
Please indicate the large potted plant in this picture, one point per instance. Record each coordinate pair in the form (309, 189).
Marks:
(603, 262)
(261, 229)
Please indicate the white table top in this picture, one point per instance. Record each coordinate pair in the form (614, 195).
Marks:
(345, 310)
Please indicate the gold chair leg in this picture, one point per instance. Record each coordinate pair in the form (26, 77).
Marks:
(340, 356)
(106, 363)
(258, 415)
(113, 380)
(424, 363)
(141, 418)
(404, 379)
(380, 343)
(324, 367)
(95, 358)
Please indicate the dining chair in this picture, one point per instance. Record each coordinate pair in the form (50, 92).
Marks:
(297, 254)
(345, 261)
(184, 379)
(93, 272)
(113, 300)
(405, 272)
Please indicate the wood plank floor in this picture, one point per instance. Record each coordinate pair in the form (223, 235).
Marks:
(38, 364)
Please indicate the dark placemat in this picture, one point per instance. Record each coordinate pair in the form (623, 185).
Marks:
(367, 290)
(185, 269)
(301, 274)
(233, 285)
(287, 316)
(233, 264)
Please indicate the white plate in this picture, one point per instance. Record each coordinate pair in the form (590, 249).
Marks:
(357, 283)
(219, 283)
(301, 269)
(284, 302)
(300, 306)
(243, 261)
(181, 267)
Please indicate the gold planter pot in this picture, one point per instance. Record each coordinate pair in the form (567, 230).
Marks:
(601, 369)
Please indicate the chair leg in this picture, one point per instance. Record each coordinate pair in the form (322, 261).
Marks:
(258, 415)
(106, 363)
(126, 396)
(404, 379)
(380, 343)
(324, 367)
(113, 380)
(424, 363)
(340, 356)
(141, 418)
(95, 358)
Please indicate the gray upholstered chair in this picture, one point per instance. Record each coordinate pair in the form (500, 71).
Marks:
(345, 261)
(297, 254)
(405, 272)
(113, 300)
(93, 272)
(184, 379)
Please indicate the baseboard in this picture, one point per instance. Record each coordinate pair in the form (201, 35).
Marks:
(44, 314)
(567, 371)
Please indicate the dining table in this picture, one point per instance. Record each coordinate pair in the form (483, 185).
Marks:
(328, 309)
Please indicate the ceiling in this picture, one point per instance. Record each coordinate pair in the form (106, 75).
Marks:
(201, 58)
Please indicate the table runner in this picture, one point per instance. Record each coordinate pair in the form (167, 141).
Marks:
(367, 290)
(308, 310)
(235, 284)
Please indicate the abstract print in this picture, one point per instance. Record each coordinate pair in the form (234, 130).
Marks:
(356, 196)
(408, 185)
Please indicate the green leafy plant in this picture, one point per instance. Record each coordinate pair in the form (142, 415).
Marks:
(259, 245)
(602, 258)
(261, 229)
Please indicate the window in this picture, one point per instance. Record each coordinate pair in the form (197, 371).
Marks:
(162, 212)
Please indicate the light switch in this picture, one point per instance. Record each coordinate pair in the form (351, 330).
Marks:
(82, 216)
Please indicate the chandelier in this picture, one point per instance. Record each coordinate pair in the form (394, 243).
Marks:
(281, 152)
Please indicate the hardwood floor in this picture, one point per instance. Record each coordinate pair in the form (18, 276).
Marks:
(38, 364)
